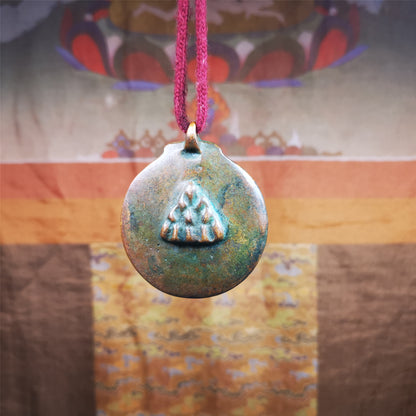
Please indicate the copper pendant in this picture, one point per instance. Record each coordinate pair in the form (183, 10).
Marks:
(193, 223)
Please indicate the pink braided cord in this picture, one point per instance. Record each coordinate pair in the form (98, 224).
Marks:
(201, 64)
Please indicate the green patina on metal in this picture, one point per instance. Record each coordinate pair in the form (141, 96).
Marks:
(194, 219)
(194, 224)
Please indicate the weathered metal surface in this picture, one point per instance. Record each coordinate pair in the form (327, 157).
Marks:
(194, 224)
(193, 220)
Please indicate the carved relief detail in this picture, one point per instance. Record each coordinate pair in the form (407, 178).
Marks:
(193, 220)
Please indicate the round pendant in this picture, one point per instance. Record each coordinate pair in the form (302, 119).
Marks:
(193, 223)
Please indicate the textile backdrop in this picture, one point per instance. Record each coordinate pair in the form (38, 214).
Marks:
(316, 100)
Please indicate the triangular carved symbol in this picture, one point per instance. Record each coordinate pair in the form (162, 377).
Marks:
(193, 220)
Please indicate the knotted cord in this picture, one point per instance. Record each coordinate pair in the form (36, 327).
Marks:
(201, 64)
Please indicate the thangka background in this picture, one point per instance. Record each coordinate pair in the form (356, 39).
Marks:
(315, 99)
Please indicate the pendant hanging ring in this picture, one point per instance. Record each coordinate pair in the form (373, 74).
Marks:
(192, 140)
